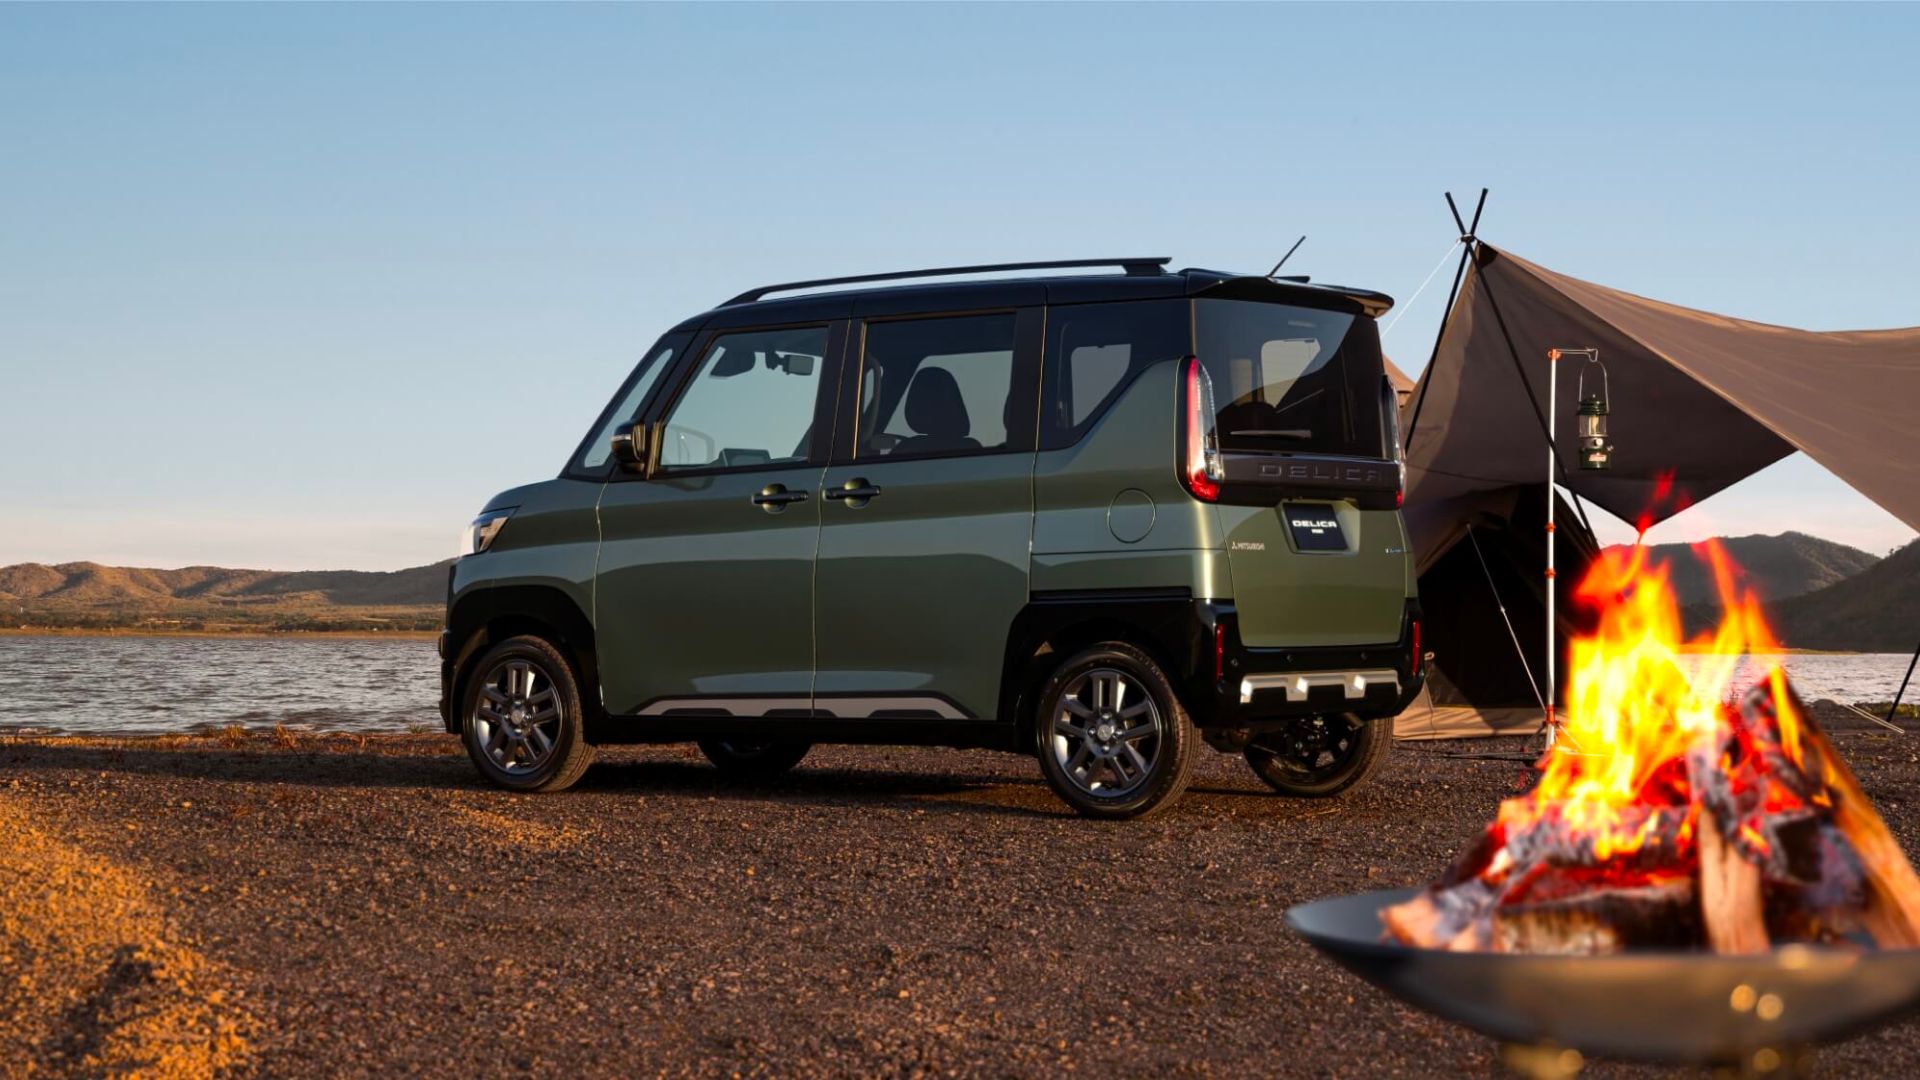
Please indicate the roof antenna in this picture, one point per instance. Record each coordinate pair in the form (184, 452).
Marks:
(1288, 255)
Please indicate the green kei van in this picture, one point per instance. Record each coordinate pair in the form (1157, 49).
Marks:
(1097, 515)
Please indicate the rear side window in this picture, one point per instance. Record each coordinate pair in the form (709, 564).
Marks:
(1291, 379)
(1093, 353)
(936, 386)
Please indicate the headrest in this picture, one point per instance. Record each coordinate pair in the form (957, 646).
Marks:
(934, 405)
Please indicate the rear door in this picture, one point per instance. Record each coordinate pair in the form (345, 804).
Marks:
(927, 516)
(704, 596)
(1300, 426)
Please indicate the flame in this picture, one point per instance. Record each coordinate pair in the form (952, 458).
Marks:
(1633, 712)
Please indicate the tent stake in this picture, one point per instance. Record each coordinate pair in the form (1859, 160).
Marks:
(1895, 707)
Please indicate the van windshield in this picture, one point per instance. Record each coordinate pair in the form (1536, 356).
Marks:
(1291, 380)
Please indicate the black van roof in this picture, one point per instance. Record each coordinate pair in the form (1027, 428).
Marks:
(1140, 279)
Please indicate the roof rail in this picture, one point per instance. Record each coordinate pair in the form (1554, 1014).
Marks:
(1135, 267)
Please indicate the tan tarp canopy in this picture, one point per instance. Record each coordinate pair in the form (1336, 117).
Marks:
(1706, 399)
(1698, 402)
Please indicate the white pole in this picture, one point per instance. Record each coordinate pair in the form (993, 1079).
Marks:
(1553, 414)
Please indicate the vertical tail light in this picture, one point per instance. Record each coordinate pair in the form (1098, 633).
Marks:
(1200, 459)
(1418, 656)
(1219, 650)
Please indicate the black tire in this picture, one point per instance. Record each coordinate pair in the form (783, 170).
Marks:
(753, 762)
(1344, 751)
(1167, 751)
(492, 738)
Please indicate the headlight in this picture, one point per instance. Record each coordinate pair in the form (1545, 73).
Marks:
(481, 531)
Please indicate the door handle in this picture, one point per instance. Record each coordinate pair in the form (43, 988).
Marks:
(854, 492)
(775, 497)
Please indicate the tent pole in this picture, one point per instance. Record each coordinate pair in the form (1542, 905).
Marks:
(1895, 707)
(1453, 297)
(1513, 352)
(1512, 634)
(1553, 415)
(1580, 507)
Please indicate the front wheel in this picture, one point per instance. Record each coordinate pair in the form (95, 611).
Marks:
(1320, 756)
(1112, 738)
(524, 726)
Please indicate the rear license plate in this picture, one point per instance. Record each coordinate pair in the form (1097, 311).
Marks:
(1314, 527)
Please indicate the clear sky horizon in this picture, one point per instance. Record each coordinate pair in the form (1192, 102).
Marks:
(300, 287)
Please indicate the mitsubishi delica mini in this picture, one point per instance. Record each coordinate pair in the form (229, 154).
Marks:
(1099, 515)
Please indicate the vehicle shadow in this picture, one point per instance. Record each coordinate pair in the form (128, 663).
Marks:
(430, 768)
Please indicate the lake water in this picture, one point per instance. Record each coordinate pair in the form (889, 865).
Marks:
(147, 685)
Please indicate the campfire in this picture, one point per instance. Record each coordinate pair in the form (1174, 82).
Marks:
(1674, 814)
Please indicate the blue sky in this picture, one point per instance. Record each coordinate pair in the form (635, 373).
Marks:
(296, 286)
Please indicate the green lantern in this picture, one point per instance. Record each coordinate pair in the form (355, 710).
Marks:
(1596, 452)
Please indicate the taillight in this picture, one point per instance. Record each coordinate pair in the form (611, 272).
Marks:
(1219, 651)
(1200, 465)
(1418, 658)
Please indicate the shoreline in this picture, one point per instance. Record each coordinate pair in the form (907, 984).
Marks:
(140, 631)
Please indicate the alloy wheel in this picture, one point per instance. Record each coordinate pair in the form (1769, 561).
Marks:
(517, 716)
(1107, 733)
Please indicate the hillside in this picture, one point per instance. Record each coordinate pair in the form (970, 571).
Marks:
(91, 596)
(1877, 610)
(1777, 567)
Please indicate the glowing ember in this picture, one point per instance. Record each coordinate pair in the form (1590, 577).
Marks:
(1671, 816)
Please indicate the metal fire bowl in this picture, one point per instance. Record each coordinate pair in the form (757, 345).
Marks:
(1673, 1007)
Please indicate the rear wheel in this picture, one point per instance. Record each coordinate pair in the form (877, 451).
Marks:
(1112, 738)
(1320, 756)
(745, 759)
(523, 725)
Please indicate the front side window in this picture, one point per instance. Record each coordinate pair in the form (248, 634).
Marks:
(936, 386)
(751, 403)
(1095, 350)
(594, 453)
(1291, 379)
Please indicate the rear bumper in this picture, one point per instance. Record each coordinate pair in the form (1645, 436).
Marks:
(1239, 686)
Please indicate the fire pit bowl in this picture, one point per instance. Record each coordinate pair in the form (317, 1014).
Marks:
(1671, 1007)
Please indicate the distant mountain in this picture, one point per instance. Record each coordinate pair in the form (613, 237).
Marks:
(1777, 567)
(1877, 610)
(89, 595)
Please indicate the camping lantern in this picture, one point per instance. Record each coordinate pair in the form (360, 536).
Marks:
(1595, 452)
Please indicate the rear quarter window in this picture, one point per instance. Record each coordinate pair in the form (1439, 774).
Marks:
(1094, 351)
(1289, 379)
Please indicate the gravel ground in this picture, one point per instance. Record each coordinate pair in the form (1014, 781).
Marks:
(367, 908)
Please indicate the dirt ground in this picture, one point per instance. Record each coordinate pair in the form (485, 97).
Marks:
(364, 907)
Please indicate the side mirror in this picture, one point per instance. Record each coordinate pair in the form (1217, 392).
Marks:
(632, 446)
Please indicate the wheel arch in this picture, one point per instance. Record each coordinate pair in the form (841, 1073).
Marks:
(488, 616)
(1051, 627)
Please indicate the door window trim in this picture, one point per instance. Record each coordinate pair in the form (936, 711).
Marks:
(674, 386)
(1029, 336)
(679, 341)
(1058, 435)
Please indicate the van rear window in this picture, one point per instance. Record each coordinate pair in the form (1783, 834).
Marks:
(1291, 380)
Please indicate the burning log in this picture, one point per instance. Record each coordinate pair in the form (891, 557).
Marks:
(1774, 841)
(1683, 821)
(1732, 908)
